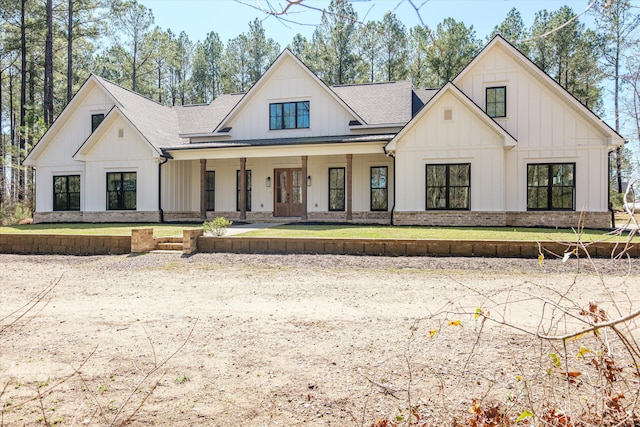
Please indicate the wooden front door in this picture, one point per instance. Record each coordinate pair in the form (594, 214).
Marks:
(288, 194)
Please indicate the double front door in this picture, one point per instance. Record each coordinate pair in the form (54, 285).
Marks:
(288, 194)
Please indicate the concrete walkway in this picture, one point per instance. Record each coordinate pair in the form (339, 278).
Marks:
(245, 228)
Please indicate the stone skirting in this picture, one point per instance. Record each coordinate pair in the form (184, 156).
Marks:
(560, 219)
(451, 218)
(383, 218)
(110, 216)
(64, 245)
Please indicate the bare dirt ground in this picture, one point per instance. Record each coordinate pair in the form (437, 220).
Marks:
(256, 340)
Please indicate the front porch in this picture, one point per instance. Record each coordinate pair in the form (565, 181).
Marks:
(347, 187)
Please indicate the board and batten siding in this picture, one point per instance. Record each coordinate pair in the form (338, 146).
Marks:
(57, 159)
(116, 153)
(466, 138)
(548, 129)
(290, 83)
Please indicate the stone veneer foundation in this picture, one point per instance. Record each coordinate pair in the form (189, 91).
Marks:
(561, 219)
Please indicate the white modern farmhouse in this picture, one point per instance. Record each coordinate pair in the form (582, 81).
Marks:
(502, 144)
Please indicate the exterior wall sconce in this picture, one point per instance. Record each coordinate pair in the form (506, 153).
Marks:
(268, 181)
(309, 181)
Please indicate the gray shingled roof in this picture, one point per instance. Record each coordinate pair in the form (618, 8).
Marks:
(194, 119)
(156, 122)
(378, 103)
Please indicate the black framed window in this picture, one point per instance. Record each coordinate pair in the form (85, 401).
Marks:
(210, 190)
(66, 193)
(96, 119)
(248, 183)
(121, 190)
(336, 189)
(379, 188)
(497, 101)
(448, 186)
(551, 186)
(289, 115)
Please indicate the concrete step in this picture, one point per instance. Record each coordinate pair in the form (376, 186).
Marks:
(169, 240)
(166, 252)
(169, 246)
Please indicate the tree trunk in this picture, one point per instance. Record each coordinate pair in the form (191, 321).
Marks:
(23, 95)
(48, 66)
(616, 90)
(2, 150)
(70, 54)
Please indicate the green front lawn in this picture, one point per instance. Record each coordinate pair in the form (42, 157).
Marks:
(330, 231)
(159, 230)
(445, 233)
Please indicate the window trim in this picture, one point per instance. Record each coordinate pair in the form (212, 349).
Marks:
(248, 185)
(550, 187)
(343, 189)
(281, 107)
(123, 191)
(95, 125)
(210, 193)
(486, 101)
(385, 188)
(447, 187)
(66, 192)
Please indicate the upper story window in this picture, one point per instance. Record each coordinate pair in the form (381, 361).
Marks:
(289, 115)
(497, 101)
(96, 119)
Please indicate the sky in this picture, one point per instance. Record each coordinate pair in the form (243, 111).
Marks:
(230, 18)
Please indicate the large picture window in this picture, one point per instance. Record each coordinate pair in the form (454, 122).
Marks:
(289, 115)
(448, 186)
(379, 188)
(497, 101)
(248, 184)
(121, 191)
(336, 189)
(210, 190)
(66, 193)
(551, 186)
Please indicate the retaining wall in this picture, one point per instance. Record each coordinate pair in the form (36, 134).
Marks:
(64, 245)
(393, 247)
(193, 242)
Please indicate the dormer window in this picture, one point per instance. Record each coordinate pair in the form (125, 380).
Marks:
(289, 115)
(497, 101)
(96, 119)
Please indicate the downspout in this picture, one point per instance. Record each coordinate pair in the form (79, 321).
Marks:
(393, 208)
(166, 158)
(609, 204)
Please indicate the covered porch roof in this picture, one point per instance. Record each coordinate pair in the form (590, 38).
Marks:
(281, 147)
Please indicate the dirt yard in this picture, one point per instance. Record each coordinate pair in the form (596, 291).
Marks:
(255, 340)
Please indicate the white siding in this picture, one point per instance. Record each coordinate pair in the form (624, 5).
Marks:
(67, 136)
(466, 138)
(129, 153)
(288, 83)
(547, 127)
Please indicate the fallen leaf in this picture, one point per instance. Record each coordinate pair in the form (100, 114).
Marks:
(455, 323)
